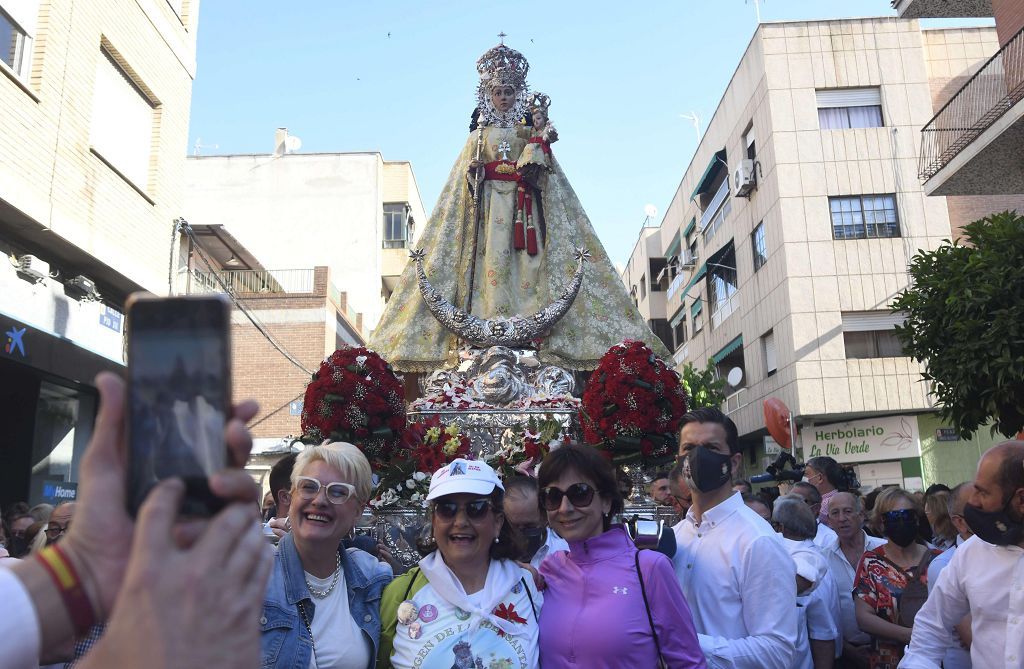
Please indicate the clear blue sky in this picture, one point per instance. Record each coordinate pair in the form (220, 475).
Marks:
(619, 75)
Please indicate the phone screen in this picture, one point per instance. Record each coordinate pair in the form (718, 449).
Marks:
(179, 395)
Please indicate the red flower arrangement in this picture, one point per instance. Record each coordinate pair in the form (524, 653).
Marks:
(633, 404)
(355, 396)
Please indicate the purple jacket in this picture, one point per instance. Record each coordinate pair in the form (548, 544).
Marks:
(594, 616)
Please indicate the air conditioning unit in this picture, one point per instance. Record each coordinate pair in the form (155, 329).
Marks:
(81, 288)
(688, 259)
(743, 181)
(33, 268)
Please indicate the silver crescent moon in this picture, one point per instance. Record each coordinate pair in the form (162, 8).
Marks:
(498, 331)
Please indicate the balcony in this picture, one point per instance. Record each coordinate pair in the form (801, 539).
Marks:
(942, 9)
(716, 203)
(250, 282)
(974, 143)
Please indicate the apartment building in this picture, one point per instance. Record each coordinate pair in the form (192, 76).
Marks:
(95, 101)
(354, 213)
(790, 234)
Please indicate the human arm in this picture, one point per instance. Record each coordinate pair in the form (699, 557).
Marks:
(769, 612)
(870, 622)
(947, 605)
(99, 541)
(188, 606)
(963, 629)
(823, 653)
(393, 595)
(670, 612)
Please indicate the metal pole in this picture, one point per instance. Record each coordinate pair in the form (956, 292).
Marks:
(477, 181)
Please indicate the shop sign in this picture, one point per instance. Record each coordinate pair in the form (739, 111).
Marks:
(771, 447)
(947, 434)
(871, 439)
(54, 492)
(295, 408)
(111, 319)
(15, 344)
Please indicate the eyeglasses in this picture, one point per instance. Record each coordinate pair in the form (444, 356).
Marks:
(337, 492)
(899, 516)
(580, 495)
(475, 510)
(54, 530)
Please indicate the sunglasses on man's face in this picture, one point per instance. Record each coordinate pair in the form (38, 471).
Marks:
(475, 510)
(580, 495)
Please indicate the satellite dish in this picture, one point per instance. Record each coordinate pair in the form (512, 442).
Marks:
(735, 376)
(292, 143)
(777, 420)
(650, 211)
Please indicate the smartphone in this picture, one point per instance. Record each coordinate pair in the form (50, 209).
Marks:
(179, 395)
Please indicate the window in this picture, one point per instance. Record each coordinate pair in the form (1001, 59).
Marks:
(842, 108)
(749, 142)
(864, 217)
(871, 334)
(768, 346)
(397, 226)
(660, 271)
(122, 121)
(759, 246)
(643, 286)
(722, 284)
(679, 332)
(17, 28)
(696, 313)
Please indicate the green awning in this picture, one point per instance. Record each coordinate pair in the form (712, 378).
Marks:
(716, 164)
(696, 277)
(678, 318)
(729, 348)
(696, 307)
(690, 227)
(673, 248)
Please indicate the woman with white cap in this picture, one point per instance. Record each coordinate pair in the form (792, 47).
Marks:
(467, 604)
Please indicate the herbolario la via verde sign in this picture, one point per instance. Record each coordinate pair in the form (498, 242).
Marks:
(871, 439)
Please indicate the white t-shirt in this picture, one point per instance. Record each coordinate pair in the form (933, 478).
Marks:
(433, 634)
(338, 642)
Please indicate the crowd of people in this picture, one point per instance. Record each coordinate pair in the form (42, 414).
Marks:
(522, 572)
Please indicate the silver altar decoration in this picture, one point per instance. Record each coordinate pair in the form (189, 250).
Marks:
(498, 331)
(639, 480)
(405, 532)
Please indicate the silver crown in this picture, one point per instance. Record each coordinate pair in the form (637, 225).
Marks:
(502, 66)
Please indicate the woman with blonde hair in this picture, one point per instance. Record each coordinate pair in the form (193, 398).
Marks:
(936, 508)
(322, 603)
(892, 580)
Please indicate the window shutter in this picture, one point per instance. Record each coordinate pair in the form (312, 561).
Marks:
(769, 352)
(122, 122)
(849, 97)
(871, 321)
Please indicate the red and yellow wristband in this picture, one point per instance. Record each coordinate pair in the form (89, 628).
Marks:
(65, 577)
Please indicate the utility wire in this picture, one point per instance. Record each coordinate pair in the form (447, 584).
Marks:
(187, 229)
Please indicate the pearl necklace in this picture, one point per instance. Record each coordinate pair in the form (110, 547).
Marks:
(321, 594)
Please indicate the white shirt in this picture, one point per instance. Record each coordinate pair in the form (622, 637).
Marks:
(826, 538)
(986, 581)
(19, 625)
(956, 657)
(844, 573)
(552, 544)
(741, 587)
(337, 640)
(817, 608)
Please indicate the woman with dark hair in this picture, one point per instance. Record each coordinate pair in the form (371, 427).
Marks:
(468, 603)
(606, 604)
(828, 477)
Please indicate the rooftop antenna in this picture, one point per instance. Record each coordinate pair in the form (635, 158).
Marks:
(199, 146)
(693, 118)
(757, 9)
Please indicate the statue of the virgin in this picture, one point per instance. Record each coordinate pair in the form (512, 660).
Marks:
(529, 229)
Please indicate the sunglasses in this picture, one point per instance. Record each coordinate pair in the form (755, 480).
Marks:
(580, 495)
(475, 510)
(899, 516)
(308, 488)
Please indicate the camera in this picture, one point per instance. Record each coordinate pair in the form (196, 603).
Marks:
(777, 471)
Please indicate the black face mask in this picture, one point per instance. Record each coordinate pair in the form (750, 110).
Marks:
(17, 547)
(995, 527)
(707, 470)
(902, 532)
(535, 537)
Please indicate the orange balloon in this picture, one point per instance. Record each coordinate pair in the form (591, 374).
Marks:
(776, 419)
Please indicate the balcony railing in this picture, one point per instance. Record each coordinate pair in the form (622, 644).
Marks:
(715, 204)
(255, 281)
(990, 93)
(735, 402)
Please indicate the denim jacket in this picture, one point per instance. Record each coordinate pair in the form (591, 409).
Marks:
(285, 641)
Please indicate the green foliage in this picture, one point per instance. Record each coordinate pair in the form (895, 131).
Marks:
(703, 387)
(965, 322)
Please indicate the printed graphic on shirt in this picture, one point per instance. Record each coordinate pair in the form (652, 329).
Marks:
(433, 634)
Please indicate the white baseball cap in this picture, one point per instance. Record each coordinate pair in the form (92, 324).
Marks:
(464, 476)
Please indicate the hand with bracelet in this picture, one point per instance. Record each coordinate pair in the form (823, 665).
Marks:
(76, 582)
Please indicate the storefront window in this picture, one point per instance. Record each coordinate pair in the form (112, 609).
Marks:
(63, 425)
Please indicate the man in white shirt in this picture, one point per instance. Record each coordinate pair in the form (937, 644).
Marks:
(846, 516)
(985, 577)
(522, 510)
(957, 657)
(737, 578)
(824, 536)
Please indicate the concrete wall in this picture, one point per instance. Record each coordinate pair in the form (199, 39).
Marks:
(47, 170)
(951, 462)
(298, 210)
